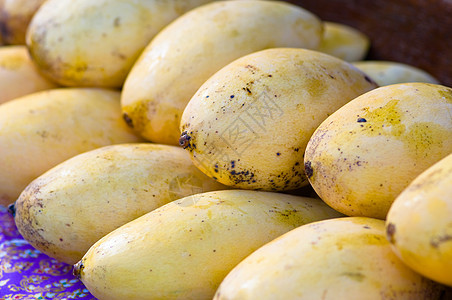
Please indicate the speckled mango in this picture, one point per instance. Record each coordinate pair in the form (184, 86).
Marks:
(391, 72)
(344, 42)
(184, 249)
(419, 223)
(67, 209)
(95, 43)
(41, 130)
(338, 259)
(15, 15)
(19, 75)
(367, 152)
(248, 125)
(192, 48)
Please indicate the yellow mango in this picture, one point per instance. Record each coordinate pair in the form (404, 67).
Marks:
(367, 152)
(249, 124)
(184, 249)
(196, 45)
(15, 15)
(95, 43)
(419, 223)
(19, 76)
(390, 72)
(41, 130)
(67, 209)
(338, 259)
(344, 42)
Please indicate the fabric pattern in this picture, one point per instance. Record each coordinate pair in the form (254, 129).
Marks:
(26, 273)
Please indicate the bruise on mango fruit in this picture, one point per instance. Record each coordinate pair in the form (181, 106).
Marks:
(390, 232)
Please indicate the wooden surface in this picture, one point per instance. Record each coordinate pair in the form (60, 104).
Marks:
(416, 32)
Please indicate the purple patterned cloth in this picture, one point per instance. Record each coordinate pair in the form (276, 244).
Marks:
(26, 273)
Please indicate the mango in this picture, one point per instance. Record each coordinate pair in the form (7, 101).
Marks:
(344, 42)
(43, 129)
(419, 223)
(249, 124)
(338, 259)
(89, 43)
(391, 72)
(368, 151)
(19, 76)
(196, 45)
(70, 207)
(184, 249)
(15, 16)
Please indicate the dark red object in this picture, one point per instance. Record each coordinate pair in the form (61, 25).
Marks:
(415, 32)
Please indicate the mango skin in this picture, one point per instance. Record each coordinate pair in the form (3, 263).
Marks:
(41, 130)
(419, 223)
(70, 207)
(344, 42)
(15, 16)
(338, 259)
(88, 43)
(19, 76)
(249, 124)
(390, 72)
(196, 45)
(184, 249)
(367, 152)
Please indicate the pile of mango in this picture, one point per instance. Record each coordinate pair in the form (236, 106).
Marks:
(238, 149)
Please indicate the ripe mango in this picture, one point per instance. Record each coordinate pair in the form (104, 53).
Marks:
(368, 151)
(184, 249)
(249, 124)
(419, 223)
(95, 43)
(196, 45)
(67, 209)
(41, 130)
(338, 259)
(19, 76)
